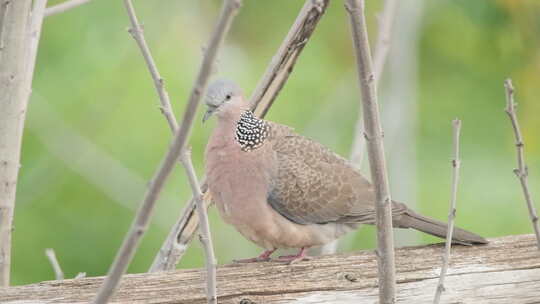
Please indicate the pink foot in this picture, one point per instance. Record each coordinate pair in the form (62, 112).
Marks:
(263, 257)
(291, 259)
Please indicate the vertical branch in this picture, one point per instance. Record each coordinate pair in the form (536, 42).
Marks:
(166, 109)
(204, 227)
(382, 47)
(58, 273)
(273, 80)
(283, 62)
(522, 171)
(374, 138)
(456, 124)
(18, 42)
(136, 32)
(140, 223)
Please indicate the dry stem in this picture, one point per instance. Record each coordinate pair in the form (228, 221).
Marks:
(137, 33)
(456, 123)
(58, 273)
(522, 171)
(18, 49)
(374, 138)
(204, 227)
(140, 223)
(382, 47)
(283, 62)
(267, 90)
(64, 6)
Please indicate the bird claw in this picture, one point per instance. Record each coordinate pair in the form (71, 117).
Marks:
(263, 257)
(252, 260)
(294, 258)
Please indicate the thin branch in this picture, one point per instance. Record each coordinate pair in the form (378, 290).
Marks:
(136, 32)
(382, 47)
(80, 275)
(170, 249)
(283, 62)
(180, 236)
(140, 223)
(21, 28)
(166, 109)
(204, 227)
(58, 273)
(522, 171)
(273, 80)
(64, 6)
(456, 124)
(374, 138)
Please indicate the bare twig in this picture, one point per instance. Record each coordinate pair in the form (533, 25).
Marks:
(374, 138)
(80, 275)
(140, 223)
(522, 171)
(170, 249)
(456, 124)
(269, 87)
(137, 32)
(58, 273)
(382, 47)
(283, 62)
(17, 59)
(206, 238)
(204, 227)
(64, 6)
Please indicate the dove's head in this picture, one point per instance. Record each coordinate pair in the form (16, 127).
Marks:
(222, 95)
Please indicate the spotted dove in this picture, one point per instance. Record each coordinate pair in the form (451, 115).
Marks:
(282, 190)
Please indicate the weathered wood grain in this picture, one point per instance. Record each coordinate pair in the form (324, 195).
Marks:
(505, 271)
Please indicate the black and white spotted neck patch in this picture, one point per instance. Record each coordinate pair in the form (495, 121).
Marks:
(251, 131)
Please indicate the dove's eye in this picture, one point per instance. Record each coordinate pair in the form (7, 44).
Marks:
(228, 97)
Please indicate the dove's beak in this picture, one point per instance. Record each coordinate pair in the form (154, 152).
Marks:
(208, 113)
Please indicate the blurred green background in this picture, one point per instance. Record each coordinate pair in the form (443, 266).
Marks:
(95, 135)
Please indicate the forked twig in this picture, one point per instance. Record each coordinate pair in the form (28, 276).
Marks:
(267, 90)
(374, 138)
(522, 171)
(140, 223)
(456, 124)
(166, 109)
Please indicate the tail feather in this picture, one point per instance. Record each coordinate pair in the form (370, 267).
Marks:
(411, 219)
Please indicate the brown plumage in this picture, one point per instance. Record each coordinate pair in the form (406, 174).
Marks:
(282, 190)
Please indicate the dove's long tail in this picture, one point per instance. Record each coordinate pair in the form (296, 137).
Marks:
(411, 219)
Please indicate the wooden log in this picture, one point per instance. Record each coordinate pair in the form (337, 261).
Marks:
(505, 271)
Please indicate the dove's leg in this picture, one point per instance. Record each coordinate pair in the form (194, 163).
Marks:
(263, 257)
(300, 256)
